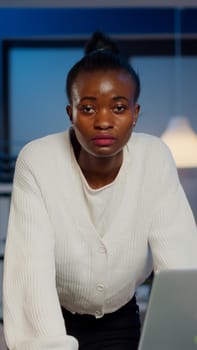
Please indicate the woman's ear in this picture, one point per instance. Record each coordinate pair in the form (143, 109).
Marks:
(136, 114)
(69, 112)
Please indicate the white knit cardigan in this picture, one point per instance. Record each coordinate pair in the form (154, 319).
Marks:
(54, 254)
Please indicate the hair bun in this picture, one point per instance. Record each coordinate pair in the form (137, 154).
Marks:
(100, 41)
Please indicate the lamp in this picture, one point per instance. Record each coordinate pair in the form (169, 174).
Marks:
(182, 141)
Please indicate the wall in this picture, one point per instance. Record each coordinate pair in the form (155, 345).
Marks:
(26, 23)
(37, 92)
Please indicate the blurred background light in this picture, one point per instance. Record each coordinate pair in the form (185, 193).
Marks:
(182, 141)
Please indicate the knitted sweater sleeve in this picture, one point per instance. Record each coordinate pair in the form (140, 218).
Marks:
(32, 313)
(173, 233)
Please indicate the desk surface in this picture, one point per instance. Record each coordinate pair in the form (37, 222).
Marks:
(2, 340)
(5, 188)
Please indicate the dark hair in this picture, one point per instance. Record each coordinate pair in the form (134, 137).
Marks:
(101, 53)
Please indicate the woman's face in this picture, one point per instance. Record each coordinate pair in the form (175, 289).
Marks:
(103, 111)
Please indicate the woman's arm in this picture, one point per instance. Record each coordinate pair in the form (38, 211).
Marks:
(173, 233)
(32, 313)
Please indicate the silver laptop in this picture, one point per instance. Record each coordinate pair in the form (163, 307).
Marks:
(171, 317)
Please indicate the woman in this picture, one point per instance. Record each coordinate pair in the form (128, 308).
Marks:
(94, 210)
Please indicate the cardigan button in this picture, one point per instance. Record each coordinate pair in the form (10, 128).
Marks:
(98, 314)
(102, 249)
(100, 287)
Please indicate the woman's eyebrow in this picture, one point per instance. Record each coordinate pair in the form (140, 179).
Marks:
(88, 98)
(115, 98)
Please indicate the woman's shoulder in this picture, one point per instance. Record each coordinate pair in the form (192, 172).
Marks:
(45, 145)
(154, 160)
(149, 144)
(151, 151)
(42, 152)
(141, 138)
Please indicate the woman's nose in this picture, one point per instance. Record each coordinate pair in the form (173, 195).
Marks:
(103, 120)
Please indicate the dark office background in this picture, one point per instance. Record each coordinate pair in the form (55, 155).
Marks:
(39, 42)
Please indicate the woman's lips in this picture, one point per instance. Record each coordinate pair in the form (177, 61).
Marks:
(103, 140)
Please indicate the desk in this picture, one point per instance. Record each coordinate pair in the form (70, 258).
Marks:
(5, 188)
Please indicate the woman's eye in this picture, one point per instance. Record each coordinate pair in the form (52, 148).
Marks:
(87, 109)
(120, 108)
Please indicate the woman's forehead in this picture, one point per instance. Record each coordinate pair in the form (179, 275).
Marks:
(104, 79)
(103, 83)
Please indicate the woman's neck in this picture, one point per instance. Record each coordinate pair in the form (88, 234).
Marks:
(98, 171)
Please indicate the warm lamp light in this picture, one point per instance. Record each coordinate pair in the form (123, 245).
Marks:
(182, 141)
